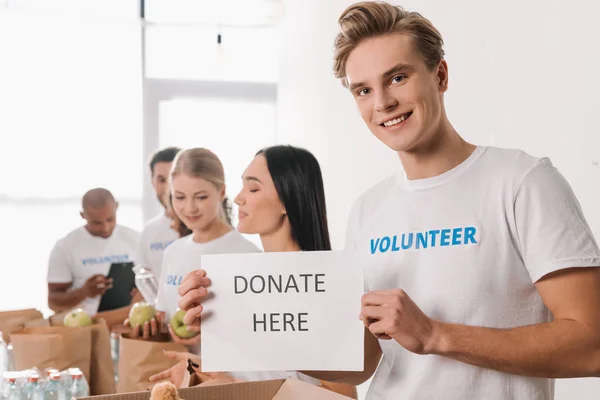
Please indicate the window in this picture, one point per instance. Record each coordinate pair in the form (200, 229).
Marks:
(234, 129)
(70, 102)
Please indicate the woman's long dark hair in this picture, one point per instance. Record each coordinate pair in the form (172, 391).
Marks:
(297, 177)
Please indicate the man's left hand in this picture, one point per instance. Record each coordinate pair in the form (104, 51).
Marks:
(391, 314)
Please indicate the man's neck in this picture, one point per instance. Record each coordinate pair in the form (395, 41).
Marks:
(96, 235)
(444, 152)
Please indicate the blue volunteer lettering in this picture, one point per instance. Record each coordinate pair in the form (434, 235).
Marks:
(117, 258)
(424, 240)
(160, 245)
(174, 280)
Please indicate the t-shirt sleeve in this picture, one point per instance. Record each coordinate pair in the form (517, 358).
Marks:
(352, 238)
(552, 231)
(352, 228)
(141, 258)
(59, 270)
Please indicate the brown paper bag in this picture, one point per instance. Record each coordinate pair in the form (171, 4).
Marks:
(102, 368)
(53, 347)
(11, 321)
(30, 312)
(140, 359)
(58, 318)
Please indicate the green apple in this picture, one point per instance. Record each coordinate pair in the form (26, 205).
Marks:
(140, 313)
(77, 318)
(179, 327)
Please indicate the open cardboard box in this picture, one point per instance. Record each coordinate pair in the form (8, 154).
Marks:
(281, 389)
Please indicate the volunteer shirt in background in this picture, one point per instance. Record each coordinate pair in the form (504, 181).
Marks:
(182, 257)
(80, 255)
(154, 239)
(467, 246)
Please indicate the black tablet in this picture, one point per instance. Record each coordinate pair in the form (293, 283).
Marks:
(123, 283)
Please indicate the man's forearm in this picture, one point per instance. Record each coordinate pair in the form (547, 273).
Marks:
(557, 349)
(62, 301)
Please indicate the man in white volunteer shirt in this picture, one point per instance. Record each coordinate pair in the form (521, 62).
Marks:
(482, 278)
(80, 261)
(157, 233)
(482, 281)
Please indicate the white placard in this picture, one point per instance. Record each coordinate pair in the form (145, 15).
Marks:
(283, 311)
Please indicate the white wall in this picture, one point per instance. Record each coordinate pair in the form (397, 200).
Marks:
(521, 75)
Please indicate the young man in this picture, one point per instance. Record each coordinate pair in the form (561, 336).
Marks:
(80, 261)
(483, 279)
(157, 233)
(473, 249)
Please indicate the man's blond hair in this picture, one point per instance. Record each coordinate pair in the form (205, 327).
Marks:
(368, 19)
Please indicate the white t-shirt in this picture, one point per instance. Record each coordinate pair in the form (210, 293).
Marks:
(182, 257)
(154, 239)
(80, 255)
(467, 246)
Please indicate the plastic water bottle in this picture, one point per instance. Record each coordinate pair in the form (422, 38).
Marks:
(3, 355)
(10, 357)
(11, 391)
(79, 386)
(146, 283)
(53, 389)
(33, 389)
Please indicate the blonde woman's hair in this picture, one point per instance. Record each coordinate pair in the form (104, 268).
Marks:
(368, 19)
(204, 164)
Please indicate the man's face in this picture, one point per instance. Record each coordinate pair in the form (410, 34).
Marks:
(398, 97)
(160, 180)
(101, 221)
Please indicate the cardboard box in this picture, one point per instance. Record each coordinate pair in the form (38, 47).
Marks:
(281, 389)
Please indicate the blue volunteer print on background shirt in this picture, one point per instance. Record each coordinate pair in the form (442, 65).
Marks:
(116, 258)
(460, 236)
(174, 280)
(160, 245)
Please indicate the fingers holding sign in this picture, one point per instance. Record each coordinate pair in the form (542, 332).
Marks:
(391, 314)
(193, 291)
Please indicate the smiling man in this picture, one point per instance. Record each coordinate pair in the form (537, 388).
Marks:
(482, 281)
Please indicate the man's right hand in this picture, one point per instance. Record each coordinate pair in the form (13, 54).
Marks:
(96, 285)
(193, 291)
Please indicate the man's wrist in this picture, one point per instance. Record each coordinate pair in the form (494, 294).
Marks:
(438, 342)
(82, 293)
